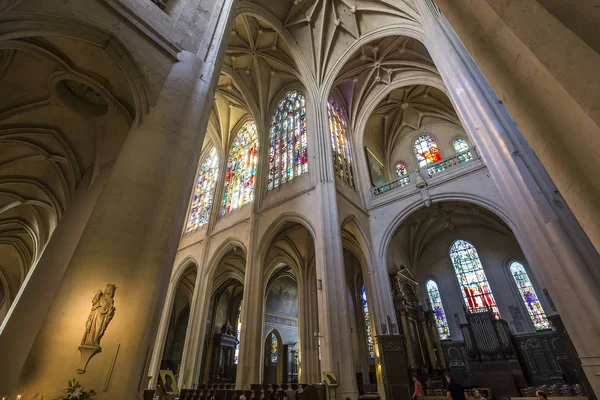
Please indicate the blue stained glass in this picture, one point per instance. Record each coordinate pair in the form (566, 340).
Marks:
(367, 317)
(287, 156)
(532, 303)
(441, 322)
(203, 194)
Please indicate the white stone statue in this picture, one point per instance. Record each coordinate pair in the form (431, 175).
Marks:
(103, 310)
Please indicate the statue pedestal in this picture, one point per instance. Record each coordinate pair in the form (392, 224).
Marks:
(87, 352)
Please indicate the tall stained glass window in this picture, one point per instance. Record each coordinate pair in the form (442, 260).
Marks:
(274, 348)
(365, 307)
(438, 308)
(473, 283)
(401, 170)
(238, 335)
(241, 169)
(460, 145)
(342, 157)
(287, 156)
(426, 150)
(532, 303)
(205, 189)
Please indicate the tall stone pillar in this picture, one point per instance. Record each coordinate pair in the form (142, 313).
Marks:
(251, 341)
(334, 320)
(554, 246)
(308, 315)
(410, 354)
(130, 241)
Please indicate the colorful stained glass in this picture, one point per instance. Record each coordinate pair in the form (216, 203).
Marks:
(238, 335)
(460, 145)
(205, 189)
(438, 308)
(274, 348)
(401, 170)
(426, 150)
(365, 307)
(532, 303)
(241, 169)
(474, 285)
(287, 156)
(342, 156)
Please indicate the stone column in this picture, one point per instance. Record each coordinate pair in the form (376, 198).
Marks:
(27, 314)
(334, 323)
(308, 325)
(249, 369)
(130, 241)
(557, 250)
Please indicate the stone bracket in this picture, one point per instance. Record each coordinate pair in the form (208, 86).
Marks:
(87, 352)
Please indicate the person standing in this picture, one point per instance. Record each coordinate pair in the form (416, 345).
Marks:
(418, 394)
(454, 391)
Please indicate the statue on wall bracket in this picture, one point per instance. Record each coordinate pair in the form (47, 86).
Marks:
(103, 311)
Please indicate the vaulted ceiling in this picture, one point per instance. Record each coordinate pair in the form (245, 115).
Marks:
(65, 110)
(420, 229)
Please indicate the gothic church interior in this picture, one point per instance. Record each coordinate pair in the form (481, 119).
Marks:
(299, 199)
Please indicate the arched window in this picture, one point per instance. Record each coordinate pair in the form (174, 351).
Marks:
(365, 307)
(426, 150)
(438, 308)
(205, 189)
(287, 156)
(473, 283)
(401, 170)
(241, 169)
(238, 335)
(274, 348)
(342, 157)
(532, 303)
(460, 145)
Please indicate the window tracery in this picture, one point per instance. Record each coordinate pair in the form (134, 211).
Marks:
(426, 150)
(473, 282)
(530, 298)
(400, 170)
(460, 145)
(274, 353)
(438, 309)
(204, 191)
(241, 169)
(367, 317)
(287, 155)
(342, 156)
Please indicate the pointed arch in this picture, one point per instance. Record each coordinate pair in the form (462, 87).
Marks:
(473, 282)
(340, 143)
(240, 175)
(529, 296)
(203, 196)
(435, 298)
(287, 154)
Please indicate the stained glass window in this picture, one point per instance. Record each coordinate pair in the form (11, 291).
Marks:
(274, 348)
(342, 157)
(205, 189)
(287, 156)
(238, 335)
(460, 145)
(241, 169)
(474, 285)
(365, 307)
(401, 170)
(426, 150)
(532, 303)
(438, 308)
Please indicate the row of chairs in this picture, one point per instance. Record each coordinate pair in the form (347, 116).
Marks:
(560, 390)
